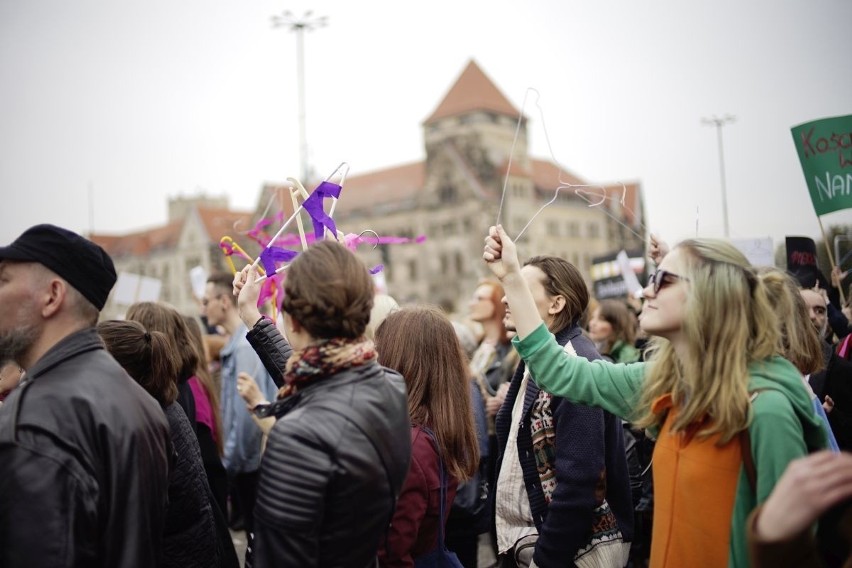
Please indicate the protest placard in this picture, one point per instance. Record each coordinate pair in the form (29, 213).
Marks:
(825, 152)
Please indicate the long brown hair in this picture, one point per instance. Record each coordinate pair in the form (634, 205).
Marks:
(165, 319)
(148, 357)
(420, 343)
(617, 315)
(204, 377)
(561, 278)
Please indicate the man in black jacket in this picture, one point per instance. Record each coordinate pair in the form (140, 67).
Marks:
(84, 450)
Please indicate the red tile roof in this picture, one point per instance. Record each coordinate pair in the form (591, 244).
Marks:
(473, 91)
(548, 176)
(217, 223)
(394, 184)
(140, 243)
(220, 222)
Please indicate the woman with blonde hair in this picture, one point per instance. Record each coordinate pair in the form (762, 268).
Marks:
(714, 390)
(420, 343)
(799, 342)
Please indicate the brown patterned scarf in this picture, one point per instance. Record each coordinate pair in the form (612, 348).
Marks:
(323, 358)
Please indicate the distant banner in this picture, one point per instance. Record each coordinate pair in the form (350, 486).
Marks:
(131, 288)
(802, 262)
(607, 279)
(759, 252)
(825, 151)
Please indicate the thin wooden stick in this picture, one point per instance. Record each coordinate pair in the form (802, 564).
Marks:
(831, 260)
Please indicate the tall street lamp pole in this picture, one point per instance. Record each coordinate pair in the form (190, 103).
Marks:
(719, 122)
(300, 25)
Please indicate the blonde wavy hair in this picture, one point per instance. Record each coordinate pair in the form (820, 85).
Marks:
(798, 342)
(729, 322)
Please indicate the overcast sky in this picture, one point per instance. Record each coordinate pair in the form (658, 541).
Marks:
(133, 102)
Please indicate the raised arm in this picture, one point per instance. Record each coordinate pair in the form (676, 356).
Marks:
(247, 292)
(501, 256)
(269, 344)
(611, 387)
(779, 530)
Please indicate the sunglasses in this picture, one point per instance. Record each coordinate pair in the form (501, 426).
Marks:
(659, 279)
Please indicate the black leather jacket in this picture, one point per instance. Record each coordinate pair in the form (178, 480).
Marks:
(84, 464)
(271, 347)
(335, 462)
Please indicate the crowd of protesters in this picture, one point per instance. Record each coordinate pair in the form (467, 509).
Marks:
(707, 425)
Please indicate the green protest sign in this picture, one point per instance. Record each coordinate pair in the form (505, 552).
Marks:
(825, 151)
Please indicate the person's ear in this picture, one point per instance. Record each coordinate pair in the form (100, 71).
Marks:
(53, 297)
(557, 304)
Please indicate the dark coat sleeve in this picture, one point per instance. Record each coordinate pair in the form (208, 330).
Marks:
(838, 322)
(414, 527)
(411, 507)
(271, 347)
(580, 462)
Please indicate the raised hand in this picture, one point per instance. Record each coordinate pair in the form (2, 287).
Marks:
(247, 292)
(657, 249)
(500, 253)
(249, 391)
(808, 488)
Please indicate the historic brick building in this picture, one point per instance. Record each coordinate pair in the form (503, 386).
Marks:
(454, 195)
(168, 253)
(472, 139)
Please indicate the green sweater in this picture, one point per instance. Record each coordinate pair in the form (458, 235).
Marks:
(622, 352)
(783, 424)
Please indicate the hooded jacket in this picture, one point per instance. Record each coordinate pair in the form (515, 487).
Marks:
(702, 493)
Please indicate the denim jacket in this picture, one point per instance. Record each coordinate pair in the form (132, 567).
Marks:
(242, 436)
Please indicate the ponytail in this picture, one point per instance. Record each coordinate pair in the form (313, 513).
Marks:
(147, 357)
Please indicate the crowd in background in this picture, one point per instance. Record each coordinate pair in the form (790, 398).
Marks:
(705, 424)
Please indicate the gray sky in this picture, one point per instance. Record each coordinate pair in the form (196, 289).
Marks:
(144, 100)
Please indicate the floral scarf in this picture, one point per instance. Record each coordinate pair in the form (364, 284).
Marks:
(323, 358)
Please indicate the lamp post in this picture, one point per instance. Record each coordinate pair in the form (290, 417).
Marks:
(299, 25)
(719, 122)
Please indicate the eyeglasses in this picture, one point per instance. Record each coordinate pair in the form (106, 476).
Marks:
(659, 279)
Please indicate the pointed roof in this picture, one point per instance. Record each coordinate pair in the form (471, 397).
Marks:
(220, 221)
(391, 185)
(472, 91)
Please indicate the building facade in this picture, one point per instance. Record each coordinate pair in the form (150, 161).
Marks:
(475, 147)
(169, 253)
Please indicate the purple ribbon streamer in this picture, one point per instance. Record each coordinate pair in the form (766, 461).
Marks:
(271, 255)
(314, 206)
